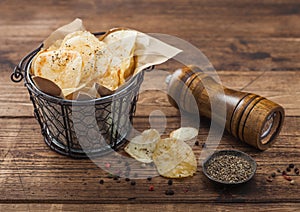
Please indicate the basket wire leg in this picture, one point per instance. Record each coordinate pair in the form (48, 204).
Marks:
(67, 129)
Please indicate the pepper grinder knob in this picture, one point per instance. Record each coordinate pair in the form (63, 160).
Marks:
(251, 118)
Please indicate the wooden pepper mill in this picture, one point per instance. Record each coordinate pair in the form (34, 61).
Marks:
(249, 117)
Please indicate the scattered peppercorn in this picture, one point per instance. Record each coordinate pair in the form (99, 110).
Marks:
(116, 177)
(151, 188)
(288, 169)
(278, 170)
(149, 178)
(170, 182)
(288, 178)
(269, 179)
(283, 173)
(127, 179)
(197, 143)
(133, 182)
(273, 175)
(203, 145)
(101, 181)
(296, 171)
(169, 192)
(291, 166)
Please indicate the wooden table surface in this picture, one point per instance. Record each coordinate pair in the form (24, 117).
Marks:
(254, 46)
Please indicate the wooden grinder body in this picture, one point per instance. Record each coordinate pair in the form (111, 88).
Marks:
(249, 117)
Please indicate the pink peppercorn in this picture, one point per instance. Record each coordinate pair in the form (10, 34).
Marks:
(151, 188)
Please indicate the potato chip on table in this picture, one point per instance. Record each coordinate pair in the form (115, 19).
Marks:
(184, 133)
(142, 146)
(174, 158)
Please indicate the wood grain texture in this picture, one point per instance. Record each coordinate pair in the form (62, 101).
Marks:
(253, 45)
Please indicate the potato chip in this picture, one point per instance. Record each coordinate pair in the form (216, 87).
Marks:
(120, 49)
(87, 45)
(174, 158)
(184, 133)
(63, 67)
(142, 146)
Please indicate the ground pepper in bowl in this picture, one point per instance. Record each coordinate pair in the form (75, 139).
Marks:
(229, 167)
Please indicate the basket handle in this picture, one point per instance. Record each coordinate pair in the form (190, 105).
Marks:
(20, 69)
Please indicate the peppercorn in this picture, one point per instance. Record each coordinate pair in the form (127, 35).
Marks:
(273, 175)
(283, 173)
(133, 183)
(170, 182)
(149, 178)
(116, 177)
(291, 166)
(296, 170)
(288, 169)
(269, 179)
(127, 179)
(151, 188)
(197, 143)
(169, 192)
(101, 181)
(288, 178)
(278, 170)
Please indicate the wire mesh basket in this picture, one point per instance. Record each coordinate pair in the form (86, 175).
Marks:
(81, 128)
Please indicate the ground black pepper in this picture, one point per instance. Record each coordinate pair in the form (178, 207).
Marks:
(229, 168)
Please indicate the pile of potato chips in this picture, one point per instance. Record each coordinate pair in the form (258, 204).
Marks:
(172, 156)
(74, 63)
(83, 62)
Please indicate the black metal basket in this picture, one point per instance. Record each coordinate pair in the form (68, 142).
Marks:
(81, 128)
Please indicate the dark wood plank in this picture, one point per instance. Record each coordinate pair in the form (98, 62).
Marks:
(254, 45)
(248, 35)
(151, 207)
(15, 99)
(30, 172)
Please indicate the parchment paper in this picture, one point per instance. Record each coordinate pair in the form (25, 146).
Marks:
(149, 51)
